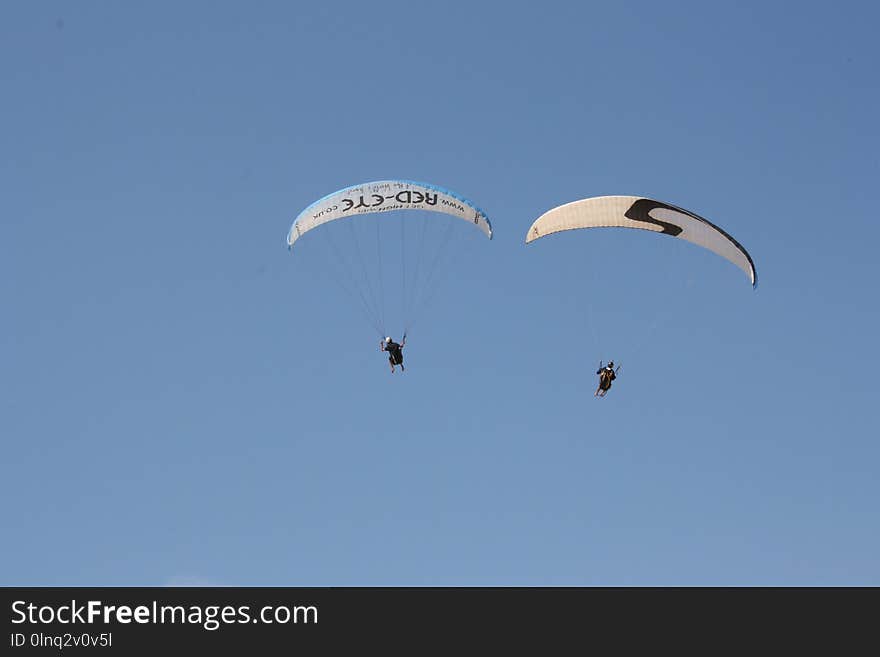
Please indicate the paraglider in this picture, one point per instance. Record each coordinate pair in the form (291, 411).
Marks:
(384, 243)
(643, 214)
(395, 351)
(607, 374)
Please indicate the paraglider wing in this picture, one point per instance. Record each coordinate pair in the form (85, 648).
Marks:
(386, 244)
(643, 214)
(385, 196)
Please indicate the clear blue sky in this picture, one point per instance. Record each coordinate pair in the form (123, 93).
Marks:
(183, 402)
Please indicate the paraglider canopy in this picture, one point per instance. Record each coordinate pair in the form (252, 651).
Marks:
(643, 214)
(386, 244)
(386, 196)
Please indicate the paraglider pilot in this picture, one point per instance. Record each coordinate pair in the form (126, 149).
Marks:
(606, 376)
(395, 351)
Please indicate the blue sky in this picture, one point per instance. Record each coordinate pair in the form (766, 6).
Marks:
(185, 401)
